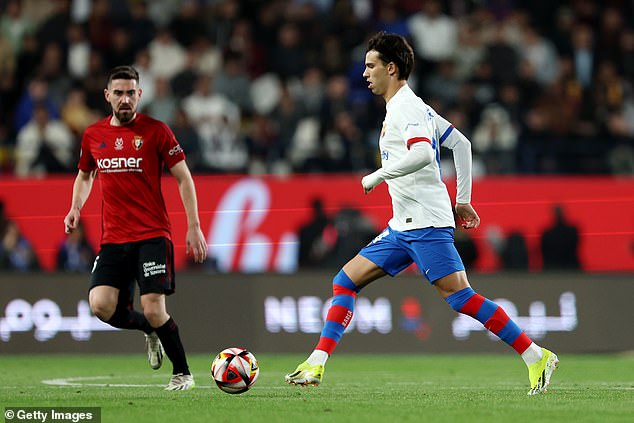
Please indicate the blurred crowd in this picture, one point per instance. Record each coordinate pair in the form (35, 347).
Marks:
(276, 87)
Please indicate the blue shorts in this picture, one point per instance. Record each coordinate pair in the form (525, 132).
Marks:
(432, 249)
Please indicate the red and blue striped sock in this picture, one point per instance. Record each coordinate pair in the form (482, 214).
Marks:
(491, 315)
(340, 312)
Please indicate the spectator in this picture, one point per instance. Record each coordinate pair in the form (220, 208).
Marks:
(143, 65)
(188, 138)
(93, 83)
(167, 57)
(217, 121)
(184, 81)
(288, 57)
(541, 56)
(494, 140)
(142, 27)
(502, 58)
(164, 105)
(469, 50)
(207, 57)
(100, 25)
(44, 146)
(14, 25)
(514, 252)
(122, 49)
(344, 146)
(76, 114)
(53, 70)
(316, 238)
(78, 56)
(434, 36)
(36, 92)
(189, 24)
(353, 229)
(233, 82)
(16, 252)
(560, 243)
(263, 144)
(54, 27)
(252, 51)
(311, 91)
(75, 254)
(583, 54)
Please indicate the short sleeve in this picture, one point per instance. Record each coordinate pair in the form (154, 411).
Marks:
(415, 127)
(86, 160)
(447, 132)
(169, 148)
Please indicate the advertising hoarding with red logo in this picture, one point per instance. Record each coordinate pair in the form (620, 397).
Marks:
(252, 223)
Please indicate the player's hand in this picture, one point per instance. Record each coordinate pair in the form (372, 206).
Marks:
(370, 181)
(195, 244)
(467, 213)
(71, 220)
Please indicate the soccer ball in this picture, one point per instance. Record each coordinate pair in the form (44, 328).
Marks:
(235, 370)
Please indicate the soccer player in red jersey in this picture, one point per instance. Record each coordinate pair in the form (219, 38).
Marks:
(128, 150)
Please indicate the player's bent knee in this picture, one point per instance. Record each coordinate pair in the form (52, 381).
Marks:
(342, 284)
(457, 300)
(102, 309)
(156, 316)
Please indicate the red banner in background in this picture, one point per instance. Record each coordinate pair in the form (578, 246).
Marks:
(252, 223)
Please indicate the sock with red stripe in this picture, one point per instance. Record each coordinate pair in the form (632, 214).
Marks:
(492, 316)
(339, 314)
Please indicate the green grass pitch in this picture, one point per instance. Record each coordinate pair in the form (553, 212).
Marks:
(356, 388)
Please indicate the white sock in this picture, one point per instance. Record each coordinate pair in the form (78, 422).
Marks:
(318, 357)
(532, 354)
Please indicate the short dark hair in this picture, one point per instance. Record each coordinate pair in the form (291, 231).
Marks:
(123, 72)
(394, 48)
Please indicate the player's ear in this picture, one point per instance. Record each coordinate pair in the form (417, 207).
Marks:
(392, 69)
(106, 94)
(140, 92)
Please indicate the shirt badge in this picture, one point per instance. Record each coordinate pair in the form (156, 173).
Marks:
(137, 142)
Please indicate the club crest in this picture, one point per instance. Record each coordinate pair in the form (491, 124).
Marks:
(137, 142)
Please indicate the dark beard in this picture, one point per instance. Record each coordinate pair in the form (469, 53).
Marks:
(124, 116)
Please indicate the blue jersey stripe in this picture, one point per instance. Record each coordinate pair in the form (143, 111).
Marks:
(444, 136)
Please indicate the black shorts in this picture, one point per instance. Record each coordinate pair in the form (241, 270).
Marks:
(149, 263)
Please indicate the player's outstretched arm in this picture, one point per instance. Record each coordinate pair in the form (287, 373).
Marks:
(195, 243)
(81, 190)
(419, 156)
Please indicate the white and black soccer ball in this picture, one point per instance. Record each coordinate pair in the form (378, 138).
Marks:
(235, 370)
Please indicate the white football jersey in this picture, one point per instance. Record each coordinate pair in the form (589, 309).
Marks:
(419, 199)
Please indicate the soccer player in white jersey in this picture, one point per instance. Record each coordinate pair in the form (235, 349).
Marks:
(421, 229)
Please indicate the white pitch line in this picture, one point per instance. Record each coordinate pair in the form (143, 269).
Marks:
(79, 381)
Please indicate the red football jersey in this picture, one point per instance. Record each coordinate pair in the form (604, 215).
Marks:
(130, 160)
